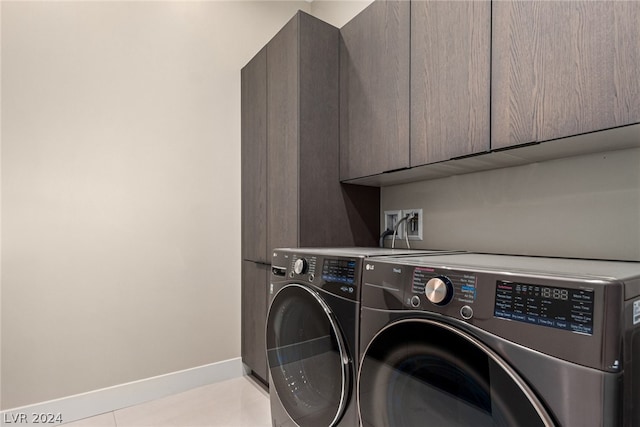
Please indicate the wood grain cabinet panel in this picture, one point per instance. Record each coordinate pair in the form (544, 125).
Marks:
(374, 90)
(254, 297)
(254, 158)
(307, 205)
(563, 68)
(450, 92)
(282, 130)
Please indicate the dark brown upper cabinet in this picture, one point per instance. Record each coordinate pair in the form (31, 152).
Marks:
(563, 68)
(414, 85)
(450, 66)
(291, 193)
(307, 205)
(484, 76)
(254, 158)
(374, 90)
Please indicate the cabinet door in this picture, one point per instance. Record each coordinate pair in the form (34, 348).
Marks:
(254, 158)
(329, 213)
(254, 299)
(282, 131)
(450, 60)
(563, 68)
(374, 90)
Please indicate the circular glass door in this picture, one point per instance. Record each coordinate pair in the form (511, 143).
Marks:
(307, 357)
(423, 373)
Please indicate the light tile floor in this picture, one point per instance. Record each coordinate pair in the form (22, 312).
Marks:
(232, 403)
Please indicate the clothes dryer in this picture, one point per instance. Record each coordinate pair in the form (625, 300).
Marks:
(312, 333)
(487, 340)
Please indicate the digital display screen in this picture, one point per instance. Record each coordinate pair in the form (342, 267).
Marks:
(339, 271)
(554, 307)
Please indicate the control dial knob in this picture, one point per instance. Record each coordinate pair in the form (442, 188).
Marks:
(439, 290)
(300, 266)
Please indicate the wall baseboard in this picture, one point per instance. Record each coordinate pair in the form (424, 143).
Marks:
(96, 402)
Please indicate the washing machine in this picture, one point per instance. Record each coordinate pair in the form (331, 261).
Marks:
(312, 333)
(488, 340)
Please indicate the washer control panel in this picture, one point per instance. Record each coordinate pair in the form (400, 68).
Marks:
(336, 274)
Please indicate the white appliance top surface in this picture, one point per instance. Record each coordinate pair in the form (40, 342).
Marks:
(566, 267)
(363, 252)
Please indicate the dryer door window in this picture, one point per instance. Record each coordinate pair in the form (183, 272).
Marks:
(424, 373)
(307, 357)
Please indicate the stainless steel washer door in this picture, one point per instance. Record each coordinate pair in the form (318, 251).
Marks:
(307, 357)
(424, 373)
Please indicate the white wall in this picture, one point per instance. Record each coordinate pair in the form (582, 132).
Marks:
(581, 207)
(120, 162)
(338, 13)
(121, 188)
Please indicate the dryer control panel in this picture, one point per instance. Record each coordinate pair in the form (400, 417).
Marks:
(530, 301)
(462, 286)
(550, 306)
(431, 288)
(390, 286)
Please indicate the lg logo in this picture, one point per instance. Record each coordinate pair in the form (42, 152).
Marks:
(369, 267)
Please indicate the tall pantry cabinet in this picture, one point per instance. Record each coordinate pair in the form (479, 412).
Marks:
(291, 191)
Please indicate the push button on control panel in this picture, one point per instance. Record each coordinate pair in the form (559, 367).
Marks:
(415, 301)
(466, 312)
